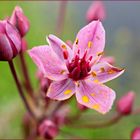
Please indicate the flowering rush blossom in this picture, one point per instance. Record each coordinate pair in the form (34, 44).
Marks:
(78, 70)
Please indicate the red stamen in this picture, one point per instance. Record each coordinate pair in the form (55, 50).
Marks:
(65, 54)
(79, 68)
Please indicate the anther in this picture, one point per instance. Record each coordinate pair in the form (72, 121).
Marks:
(100, 53)
(64, 46)
(89, 44)
(76, 41)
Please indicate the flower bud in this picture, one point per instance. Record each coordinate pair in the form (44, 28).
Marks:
(135, 134)
(125, 103)
(48, 129)
(61, 116)
(96, 11)
(19, 20)
(10, 41)
(44, 82)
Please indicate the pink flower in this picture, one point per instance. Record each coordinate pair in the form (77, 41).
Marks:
(96, 11)
(136, 134)
(10, 41)
(78, 70)
(125, 103)
(20, 21)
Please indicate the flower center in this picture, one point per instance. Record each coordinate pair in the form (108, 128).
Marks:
(79, 68)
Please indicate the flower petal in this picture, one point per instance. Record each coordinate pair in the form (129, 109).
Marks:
(90, 38)
(14, 36)
(95, 96)
(6, 52)
(59, 46)
(108, 59)
(61, 90)
(104, 72)
(48, 62)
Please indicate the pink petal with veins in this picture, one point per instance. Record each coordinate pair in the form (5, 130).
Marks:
(90, 38)
(61, 90)
(95, 96)
(59, 46)
(108, 59)
(48, 62)
(104, 72)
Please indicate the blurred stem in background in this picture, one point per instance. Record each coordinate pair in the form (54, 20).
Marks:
(61, 18)
(28, 85)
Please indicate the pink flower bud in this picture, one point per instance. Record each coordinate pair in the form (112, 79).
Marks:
(61, 116)
(44, 82)
(96, 11)
(10, 41)
(135, 134)
(20, 21)
(48, 129)
(125, 103)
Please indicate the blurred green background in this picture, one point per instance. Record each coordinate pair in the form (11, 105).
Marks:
(122, 41)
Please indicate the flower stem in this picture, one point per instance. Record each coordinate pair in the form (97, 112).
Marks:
(12, 68)
(61, 18)
(110, 122)
(26, 76)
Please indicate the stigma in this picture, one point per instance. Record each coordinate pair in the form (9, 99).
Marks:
(79, 68)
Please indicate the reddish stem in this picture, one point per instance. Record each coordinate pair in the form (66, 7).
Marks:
(12, 68)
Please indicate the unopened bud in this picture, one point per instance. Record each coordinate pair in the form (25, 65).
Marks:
(10, 41)
(43, 81)
(61, 116)
(48, 129)
(125, 103)
(135, 134)
(96, 11)
(19, 20)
